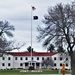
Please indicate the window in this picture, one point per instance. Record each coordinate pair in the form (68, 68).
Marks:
(15, 58)
(60, 64)
(54, 58)
(54, 64)
(47, 58)
(66, 58)
(32, 58)
(9, 64)
(21, 58)
(67, 65)
(3, 64)
(26, 58)
(8, 58)
(37, 64)
(60, 58)
(42, 58)
(37, 58)
(26, 64)
(3, 58)
(21, 64)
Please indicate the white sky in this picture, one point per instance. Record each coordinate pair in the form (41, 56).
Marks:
(18, 13)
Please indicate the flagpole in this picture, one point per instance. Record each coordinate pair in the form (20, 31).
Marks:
(31, 35)
(32, 9)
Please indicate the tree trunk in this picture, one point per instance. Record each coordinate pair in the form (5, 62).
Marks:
(72, 55)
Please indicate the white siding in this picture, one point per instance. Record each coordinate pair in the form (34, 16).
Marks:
(16, 63)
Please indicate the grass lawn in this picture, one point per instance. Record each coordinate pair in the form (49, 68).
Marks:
(17, 72)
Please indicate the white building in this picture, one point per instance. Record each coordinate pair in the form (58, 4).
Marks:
(23, 60)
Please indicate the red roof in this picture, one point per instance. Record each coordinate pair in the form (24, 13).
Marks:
(33, 53)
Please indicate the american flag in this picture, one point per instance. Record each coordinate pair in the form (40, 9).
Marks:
(33, 8)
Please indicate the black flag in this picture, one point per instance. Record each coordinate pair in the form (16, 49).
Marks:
(35, 17)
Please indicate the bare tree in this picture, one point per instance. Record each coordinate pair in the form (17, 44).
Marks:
(60, 25)
(48, 61)
(6, 28)
(5, 45)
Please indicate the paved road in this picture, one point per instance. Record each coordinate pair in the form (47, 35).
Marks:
(40, 74)
(51, 74)
(56, 74)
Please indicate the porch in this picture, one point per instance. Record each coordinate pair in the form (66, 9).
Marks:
(35, 64)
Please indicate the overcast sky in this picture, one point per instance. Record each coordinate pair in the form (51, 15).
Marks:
(18, 13)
